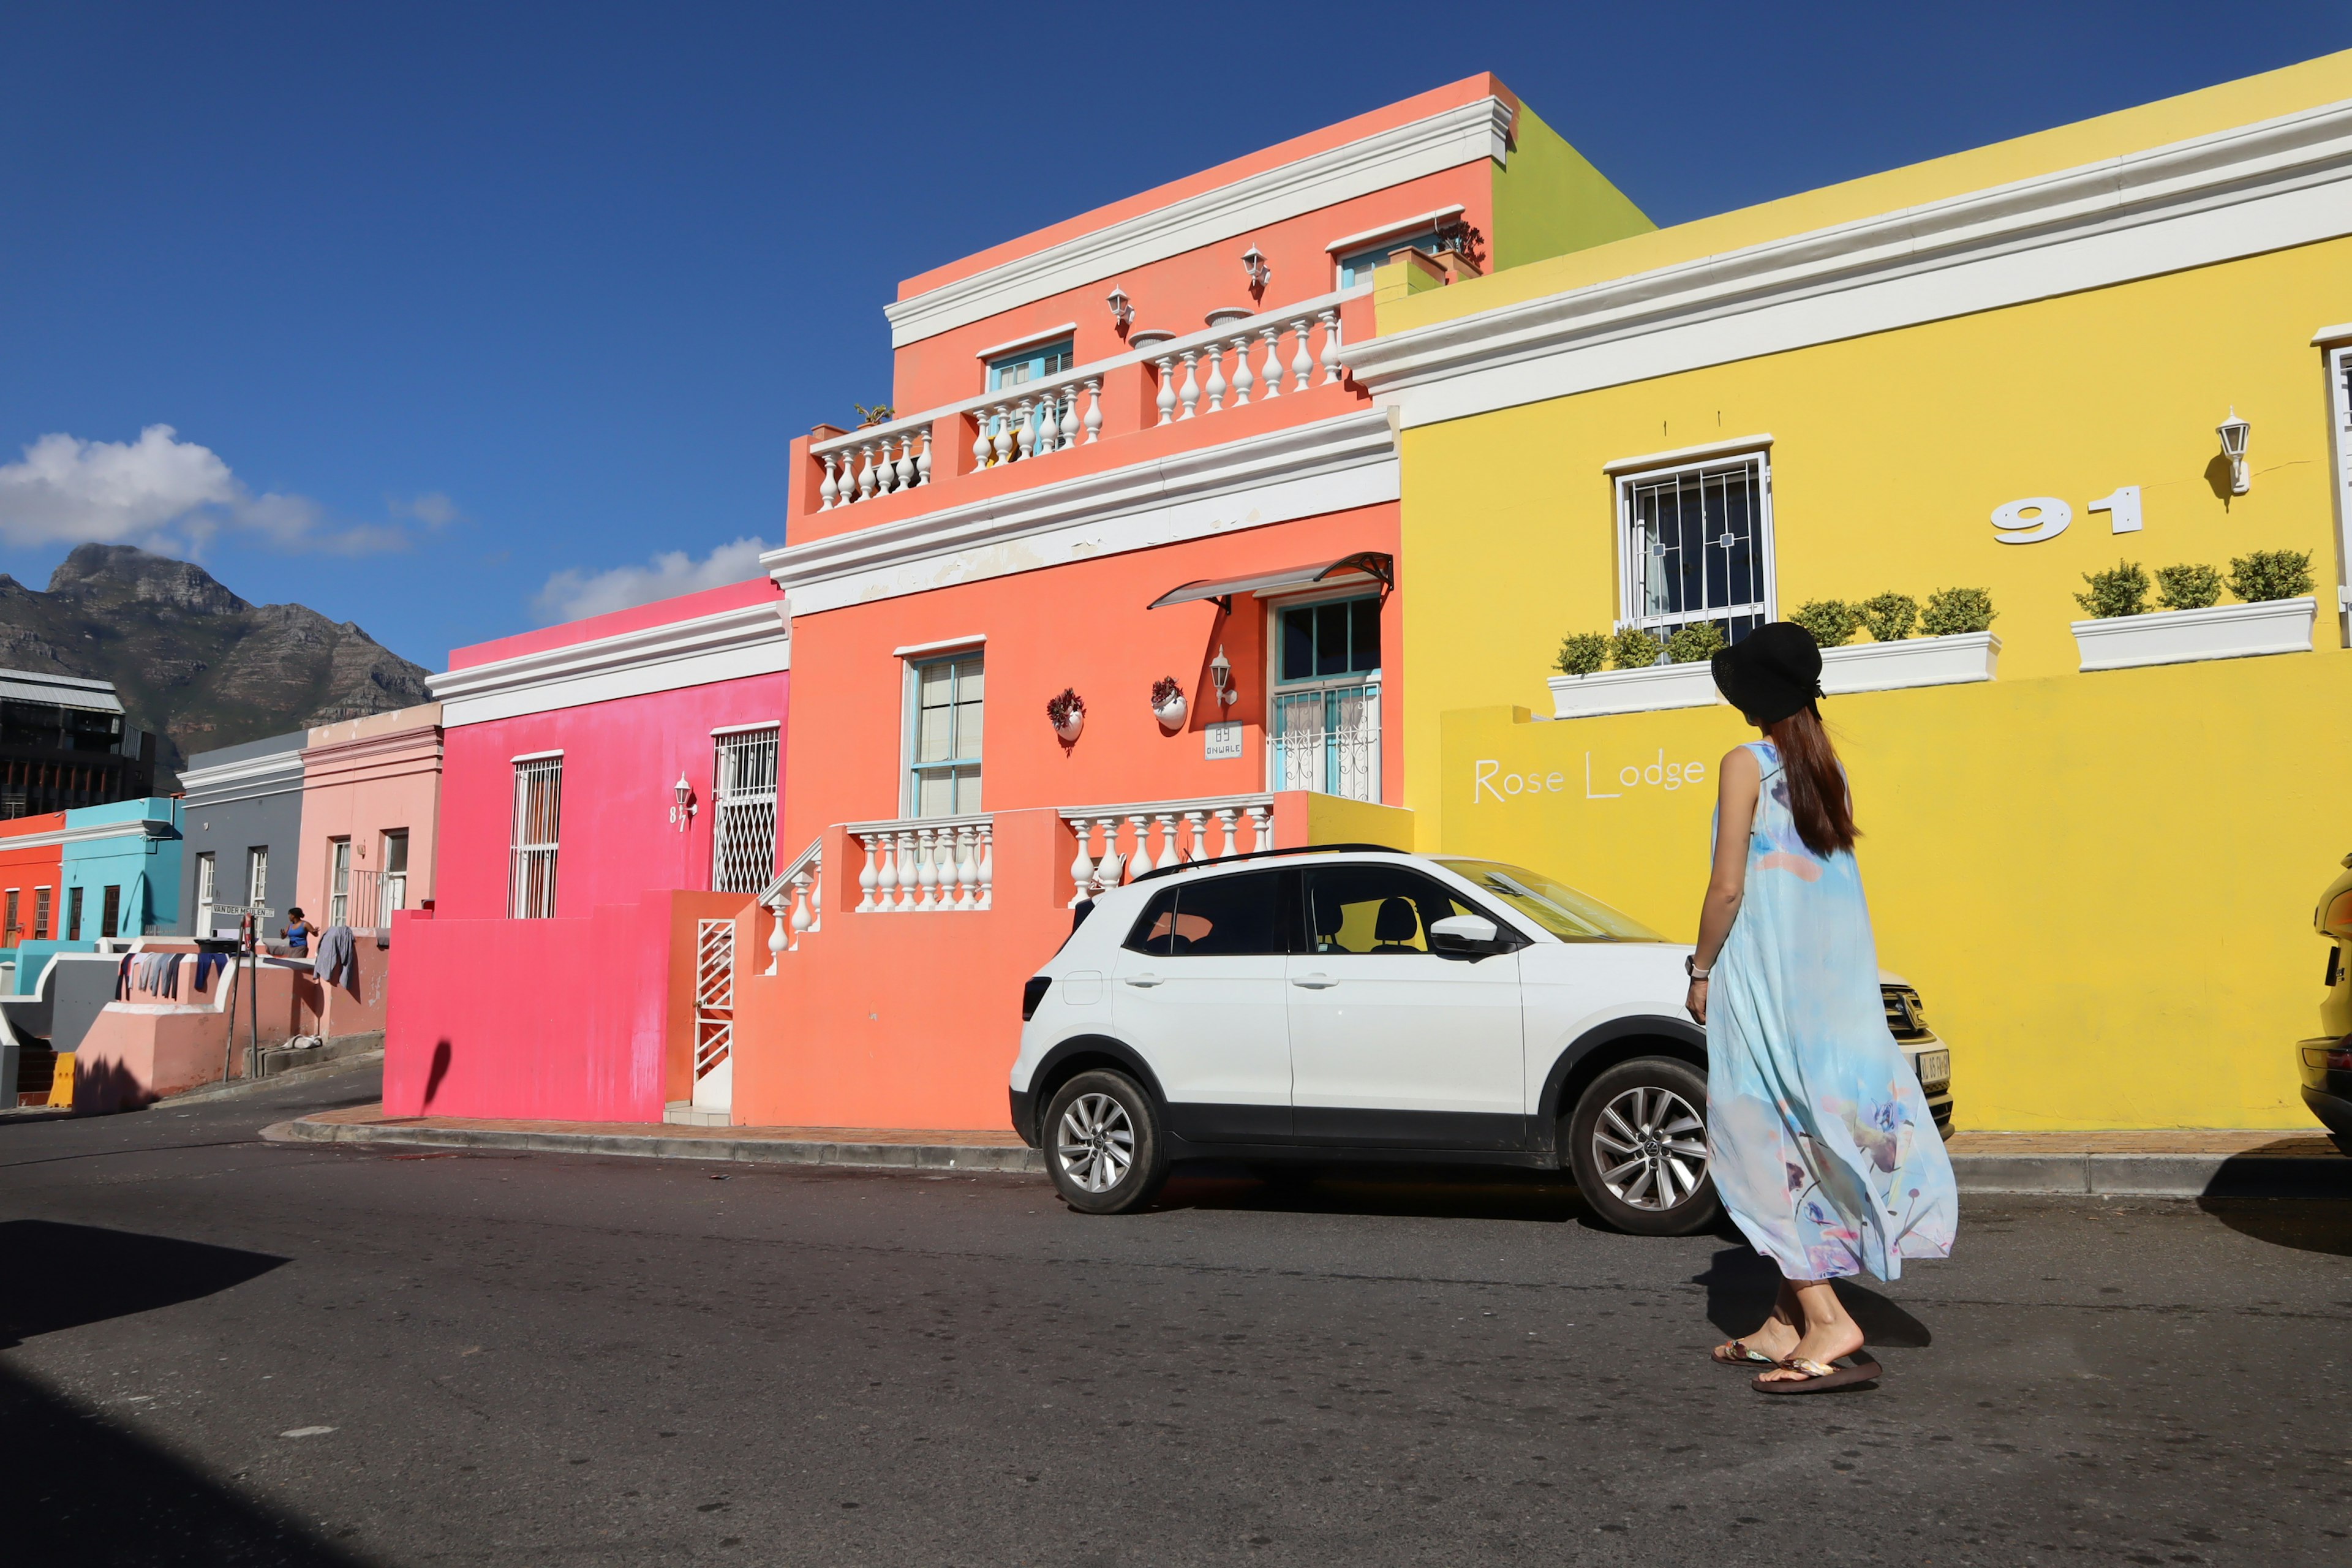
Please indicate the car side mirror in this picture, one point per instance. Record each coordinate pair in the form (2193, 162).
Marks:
(1468, 936)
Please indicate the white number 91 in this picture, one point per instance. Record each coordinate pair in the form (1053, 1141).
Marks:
(2052, 517)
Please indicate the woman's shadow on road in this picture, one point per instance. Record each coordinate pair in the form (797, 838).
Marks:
(1741, 1285)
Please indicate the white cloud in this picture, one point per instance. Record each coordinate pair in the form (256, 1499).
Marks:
(432, 509)
(571, 592)
(162, 493)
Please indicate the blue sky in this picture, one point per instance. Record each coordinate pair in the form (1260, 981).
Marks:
(455, 311)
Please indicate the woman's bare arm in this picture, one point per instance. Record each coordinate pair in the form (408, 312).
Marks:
(1739, 781)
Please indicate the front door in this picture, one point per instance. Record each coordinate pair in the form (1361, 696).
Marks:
(1391, 1044)
(1198, 989)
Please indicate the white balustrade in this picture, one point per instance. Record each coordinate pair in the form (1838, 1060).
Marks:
(1115, 842)
(796, 899)
(926, 865)
(1045, 416)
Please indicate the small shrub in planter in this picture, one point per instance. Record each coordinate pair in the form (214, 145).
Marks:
(1890, 617)
(1695, 644)
(1581, 653)
(1067, 714)
(2122, 590)
(2187, 587)
(1951, 611)
(1635, 648)
(1832, 621)
(2271, 575)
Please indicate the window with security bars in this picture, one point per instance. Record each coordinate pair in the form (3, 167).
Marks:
(743, 833)
(538, 818)
(1698, 546)
(946, 741)
(41, 914)
(2339, 384)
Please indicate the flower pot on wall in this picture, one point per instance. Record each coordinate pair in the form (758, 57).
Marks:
(1170, 713)
(1644, 690)
(1068, 729)
(1909, 661)
(2184, 637)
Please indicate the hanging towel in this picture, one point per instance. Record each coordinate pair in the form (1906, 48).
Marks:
(207, 964)
(171, 972)
(338, 958)
(122, 979)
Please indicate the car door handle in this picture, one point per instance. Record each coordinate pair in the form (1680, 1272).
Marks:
(1141, 979)
(1316, 982)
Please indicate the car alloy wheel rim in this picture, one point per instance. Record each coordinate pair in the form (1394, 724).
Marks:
(1096, 1147)
(1651, 1147)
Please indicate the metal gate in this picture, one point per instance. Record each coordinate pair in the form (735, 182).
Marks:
(744, 832)
(714, 1015)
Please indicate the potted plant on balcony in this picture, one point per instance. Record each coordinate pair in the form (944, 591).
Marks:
(1067, 714)
(2274, 616)
(1168, 702)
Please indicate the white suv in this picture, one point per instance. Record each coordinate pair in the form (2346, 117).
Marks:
(1359, 1003)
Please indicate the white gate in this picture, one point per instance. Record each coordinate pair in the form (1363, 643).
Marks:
(714, 1015)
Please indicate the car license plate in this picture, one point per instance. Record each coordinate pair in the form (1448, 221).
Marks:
(1934, 1070)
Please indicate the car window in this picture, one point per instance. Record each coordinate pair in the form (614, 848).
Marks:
(1377, 909)
(1552, 903)
(1219, 916)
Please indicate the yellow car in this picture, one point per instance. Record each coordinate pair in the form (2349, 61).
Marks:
(2327, 1062)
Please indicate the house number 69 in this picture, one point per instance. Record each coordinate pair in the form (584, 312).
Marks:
(2037, 518)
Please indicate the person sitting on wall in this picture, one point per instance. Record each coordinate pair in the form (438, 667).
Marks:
(298, 932)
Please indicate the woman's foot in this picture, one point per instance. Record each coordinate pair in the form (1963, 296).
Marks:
(1829, 1333)
(1776, 1341)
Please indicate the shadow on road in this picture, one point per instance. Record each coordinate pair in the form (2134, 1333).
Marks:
(1417, 1191)
(1741, 1285)
(63, 1276)
(83, 1491)
(2306, 1224)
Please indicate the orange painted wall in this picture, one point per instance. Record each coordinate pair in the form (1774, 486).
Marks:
(1081, 625)
(25, 870)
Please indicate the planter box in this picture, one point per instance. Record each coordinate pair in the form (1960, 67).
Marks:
(1633, 690)
(1913, 661)
(2184, 637)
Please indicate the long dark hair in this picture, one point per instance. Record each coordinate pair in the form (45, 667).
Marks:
(1818, 797)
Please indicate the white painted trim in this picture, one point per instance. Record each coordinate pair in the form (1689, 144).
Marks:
(1737, 447)
(2336, 363)
(746, 728)
(536, 756)
(1303, 471)
(1402, 226)
(1628, 584)
(1359, 168)
(136, 827)
(2187, 637)
(1029, 340)
(945, 645)
(2213, 198)
(1951, 661)
(280, 768)
(750, 639)
(1649, 690)
(2340, 332)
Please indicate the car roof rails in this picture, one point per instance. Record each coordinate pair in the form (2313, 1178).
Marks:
(1158, 871)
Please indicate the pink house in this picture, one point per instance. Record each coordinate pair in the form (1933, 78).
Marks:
(603, 783)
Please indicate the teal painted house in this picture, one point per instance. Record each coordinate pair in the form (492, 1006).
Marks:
(122, 872)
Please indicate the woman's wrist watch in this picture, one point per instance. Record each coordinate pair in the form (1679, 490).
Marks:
(1691, 968)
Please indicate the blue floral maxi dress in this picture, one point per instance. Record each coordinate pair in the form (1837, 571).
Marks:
(1818, 1135)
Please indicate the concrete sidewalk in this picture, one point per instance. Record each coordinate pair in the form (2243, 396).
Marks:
(2148, 1165)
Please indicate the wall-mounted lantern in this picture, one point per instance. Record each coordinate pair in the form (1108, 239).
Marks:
(683, 811)
(1220, 676)
(2233, 432)
(1259, 272)
(1122, 310)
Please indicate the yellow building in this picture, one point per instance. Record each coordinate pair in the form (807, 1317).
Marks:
(2092, 846)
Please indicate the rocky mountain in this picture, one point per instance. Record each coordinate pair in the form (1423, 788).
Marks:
(192, 661)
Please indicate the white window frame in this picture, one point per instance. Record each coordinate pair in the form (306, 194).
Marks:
(257, 875)
(45, 912)
(1628, 480)
(743, 815)
(207, 891)
(339, 881)
(392, 886)
(533, 838)
(910, 772)
(1374, 680)
(2338, 359)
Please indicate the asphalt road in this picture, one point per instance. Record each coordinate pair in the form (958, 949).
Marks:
(217, 1350)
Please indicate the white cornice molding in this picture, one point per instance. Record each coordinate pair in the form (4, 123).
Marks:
(2235, 193)
(1303, 471)
(1358, 168)
(256, 773)
(751, 640)
(137, 827)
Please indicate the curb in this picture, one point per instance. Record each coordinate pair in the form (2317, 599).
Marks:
(655, 1146)
(239, 1088)
(2157, 1175)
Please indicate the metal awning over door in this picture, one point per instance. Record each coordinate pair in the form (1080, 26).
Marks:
(1368, 565)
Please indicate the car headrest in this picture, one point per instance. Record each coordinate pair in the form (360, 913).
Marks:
(1396, 921)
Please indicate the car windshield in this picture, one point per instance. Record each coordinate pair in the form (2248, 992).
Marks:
(1552, 903)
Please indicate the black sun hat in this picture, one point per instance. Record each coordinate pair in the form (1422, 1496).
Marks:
(1771, 672)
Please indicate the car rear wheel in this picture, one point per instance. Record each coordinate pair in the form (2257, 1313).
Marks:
(1103, 1144)
(1637, 1147)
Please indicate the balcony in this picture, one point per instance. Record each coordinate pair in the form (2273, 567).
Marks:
(1283, 366)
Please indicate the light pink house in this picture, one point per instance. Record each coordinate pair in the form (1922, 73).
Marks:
(371, 805)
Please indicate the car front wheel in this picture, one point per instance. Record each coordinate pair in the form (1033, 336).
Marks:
(1637, 1147)
(1103, 1144)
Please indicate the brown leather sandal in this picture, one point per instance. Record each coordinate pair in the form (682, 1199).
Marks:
(1820, 1378)
(1743, 1355)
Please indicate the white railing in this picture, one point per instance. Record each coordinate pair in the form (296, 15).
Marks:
(926, 865)
(1242, 360)
(714, 994)
(1206, 829)
(1328, 740)
(796, 899)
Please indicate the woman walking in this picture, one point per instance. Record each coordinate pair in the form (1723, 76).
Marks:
(1819, 1138)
